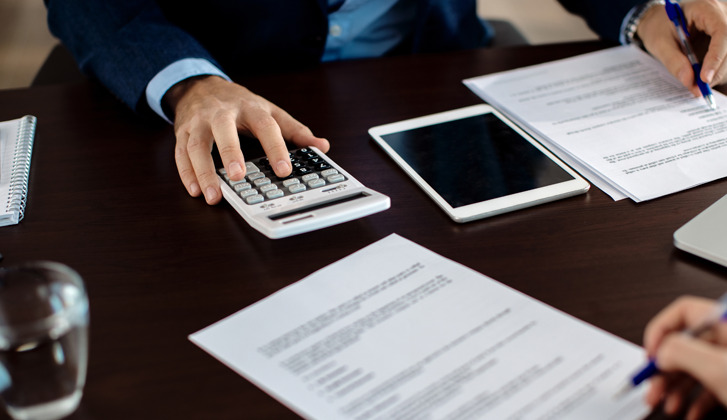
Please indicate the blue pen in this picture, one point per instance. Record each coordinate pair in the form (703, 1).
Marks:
(676, 15)
(719, 314)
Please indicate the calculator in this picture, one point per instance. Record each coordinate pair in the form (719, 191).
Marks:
(317, 194)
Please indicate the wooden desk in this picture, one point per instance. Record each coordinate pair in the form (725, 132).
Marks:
(105, 199)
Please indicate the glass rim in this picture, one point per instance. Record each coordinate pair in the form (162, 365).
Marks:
(76, 312)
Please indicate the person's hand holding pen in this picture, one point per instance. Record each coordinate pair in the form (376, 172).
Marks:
(707, 25)
(686, 360)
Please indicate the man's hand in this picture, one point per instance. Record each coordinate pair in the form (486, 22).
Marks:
(708, 29)
(211, 110)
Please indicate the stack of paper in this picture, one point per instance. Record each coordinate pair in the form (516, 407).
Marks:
(619, 118)
(395, 331)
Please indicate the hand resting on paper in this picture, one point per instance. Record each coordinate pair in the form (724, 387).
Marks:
(209, 110)
(708, 29)
(685, 361)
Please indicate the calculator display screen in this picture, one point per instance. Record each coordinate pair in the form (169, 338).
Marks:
(475, 159)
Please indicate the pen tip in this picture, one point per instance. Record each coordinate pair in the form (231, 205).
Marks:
(625, 389)
(711, 102)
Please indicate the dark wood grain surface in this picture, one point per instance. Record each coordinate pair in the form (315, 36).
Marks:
(105, 199)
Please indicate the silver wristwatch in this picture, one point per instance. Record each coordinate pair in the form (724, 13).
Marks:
(632, 20)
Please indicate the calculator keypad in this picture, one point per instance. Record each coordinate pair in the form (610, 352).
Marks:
(261, 184)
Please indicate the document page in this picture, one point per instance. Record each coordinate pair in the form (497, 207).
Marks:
(396, 331)
(8, 130)
(619, 118)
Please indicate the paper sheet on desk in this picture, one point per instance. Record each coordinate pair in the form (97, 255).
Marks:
(618, 117)
(397, 331)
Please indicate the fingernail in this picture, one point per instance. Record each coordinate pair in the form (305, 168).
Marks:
(235, 170)
(194, 189)
(327, 145)
(282, 167)
(709, 76)
(682, 75)
(210, 194)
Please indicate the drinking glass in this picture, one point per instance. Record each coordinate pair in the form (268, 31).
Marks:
(43, 340)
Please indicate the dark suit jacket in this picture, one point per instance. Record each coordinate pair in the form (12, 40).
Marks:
(124, 43)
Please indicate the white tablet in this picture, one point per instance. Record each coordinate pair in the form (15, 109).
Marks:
(475, 163)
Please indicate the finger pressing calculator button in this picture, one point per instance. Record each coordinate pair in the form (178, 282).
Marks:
(296, 188)
(316, 183)
(254, 199)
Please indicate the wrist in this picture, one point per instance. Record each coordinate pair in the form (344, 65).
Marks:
(632, 24)
(182, 89)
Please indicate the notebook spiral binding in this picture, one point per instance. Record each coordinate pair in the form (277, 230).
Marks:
(21, 166)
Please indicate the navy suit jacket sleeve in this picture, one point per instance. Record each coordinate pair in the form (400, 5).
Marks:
(122, 43)
(603, 16)
(125, 43)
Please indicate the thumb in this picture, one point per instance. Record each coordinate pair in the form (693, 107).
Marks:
(702, 360)
(298, 133)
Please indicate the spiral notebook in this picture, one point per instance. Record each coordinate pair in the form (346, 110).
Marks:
(16, 146)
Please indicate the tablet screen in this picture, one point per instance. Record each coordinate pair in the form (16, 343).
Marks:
(475, 159)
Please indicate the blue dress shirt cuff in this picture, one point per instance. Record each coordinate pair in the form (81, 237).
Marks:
(173, 74)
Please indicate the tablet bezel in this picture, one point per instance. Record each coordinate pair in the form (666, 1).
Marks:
(493, 206)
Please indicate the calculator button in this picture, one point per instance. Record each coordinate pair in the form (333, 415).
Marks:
(296, 188)
(268, 187)
(335, 178)
(322, 166)
(254, 199)
(292, 181)
(309, 177)
(233, 183)
(256, 175)
(329, 172)
(274, 194)
(316, 183)
(303, 170)
(247, 193)
(242, 187)
(262, 181)
(251, 168)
